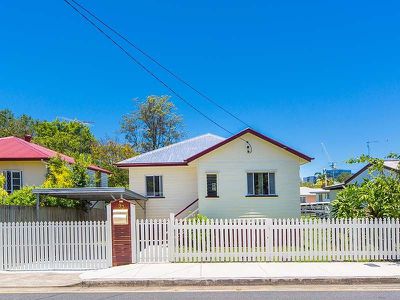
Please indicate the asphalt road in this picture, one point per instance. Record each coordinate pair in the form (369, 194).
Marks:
(222, 295)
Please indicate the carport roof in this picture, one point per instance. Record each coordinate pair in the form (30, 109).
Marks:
(90, 194)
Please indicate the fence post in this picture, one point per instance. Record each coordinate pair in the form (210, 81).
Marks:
(269, 240)
(2, 244)
(51, 245)
(109, 236)
(133, 234)
(171, 238)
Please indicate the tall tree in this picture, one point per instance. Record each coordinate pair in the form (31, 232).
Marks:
(70, 138)
(343, 177)
(106, 153)
(16, 126)
(153, 125)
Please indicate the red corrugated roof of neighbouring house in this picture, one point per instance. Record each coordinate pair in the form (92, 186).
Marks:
(15, 149)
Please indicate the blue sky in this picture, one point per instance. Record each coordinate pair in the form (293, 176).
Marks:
(301, 72)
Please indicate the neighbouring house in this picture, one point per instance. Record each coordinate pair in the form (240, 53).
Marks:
(313, 195)
(24, 163)
(358, 177)
(246, 175)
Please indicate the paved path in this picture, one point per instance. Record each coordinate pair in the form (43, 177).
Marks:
(211, 274)
(38, 279)
(238, 271)
(300, 295)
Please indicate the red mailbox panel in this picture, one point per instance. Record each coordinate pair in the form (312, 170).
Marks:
(121, 232)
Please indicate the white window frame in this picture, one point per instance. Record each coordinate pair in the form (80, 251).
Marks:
(206, 193)
(161, 195)
(11, 190)
(269, 182)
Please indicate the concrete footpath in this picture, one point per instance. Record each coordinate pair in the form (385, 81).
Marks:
(210, 274)
(38, 279)
(244, 274)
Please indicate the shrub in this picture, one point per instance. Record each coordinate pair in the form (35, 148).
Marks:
(3, 192)
(22, 197)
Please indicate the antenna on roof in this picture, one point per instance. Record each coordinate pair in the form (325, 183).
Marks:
(87, 123)
(332, 164)
(369, 146)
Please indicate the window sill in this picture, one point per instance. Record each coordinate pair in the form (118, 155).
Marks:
(155, 197)
(212, 197)
(261, 196)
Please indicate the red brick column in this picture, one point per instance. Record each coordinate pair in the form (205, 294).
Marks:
(121, 232)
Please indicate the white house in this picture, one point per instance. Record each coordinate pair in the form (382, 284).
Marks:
(246, 175)
(313, 195)
(364, 173)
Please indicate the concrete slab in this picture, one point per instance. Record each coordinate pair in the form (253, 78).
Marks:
(245, 273)
(39, 279)
(232, 270)
(293, 270)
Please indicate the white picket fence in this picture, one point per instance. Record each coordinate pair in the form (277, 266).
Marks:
(53, 245)
(267, 240)
(152, 240)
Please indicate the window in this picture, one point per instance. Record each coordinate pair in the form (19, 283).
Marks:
(212, 186)
(13, 180)
(322, 197)
(261, 184)
(154, 186)
(302, 199)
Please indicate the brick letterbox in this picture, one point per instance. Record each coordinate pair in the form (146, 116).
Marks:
(121, 229)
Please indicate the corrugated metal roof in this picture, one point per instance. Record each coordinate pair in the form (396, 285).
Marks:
(306, 191)
(176, 153)
(13, 148)
(91, 193)
(392, 164)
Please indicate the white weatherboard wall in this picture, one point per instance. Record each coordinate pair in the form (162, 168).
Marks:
(232, 162)
(179, 187)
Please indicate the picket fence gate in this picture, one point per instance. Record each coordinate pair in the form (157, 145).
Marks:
(253, 240)
(54, 245)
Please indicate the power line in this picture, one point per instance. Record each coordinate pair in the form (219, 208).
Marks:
(180, 79)
(146, 69)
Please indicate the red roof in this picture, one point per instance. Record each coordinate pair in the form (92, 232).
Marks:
(14, 149)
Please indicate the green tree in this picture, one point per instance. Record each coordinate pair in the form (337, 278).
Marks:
(59, 174)
(3, 192)
(16, 126)
(80, 176)
(376, 197)
(322, 180)
(70, 138)
(307, 184)
(106, 153)
(153, 125)
(343, 177)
